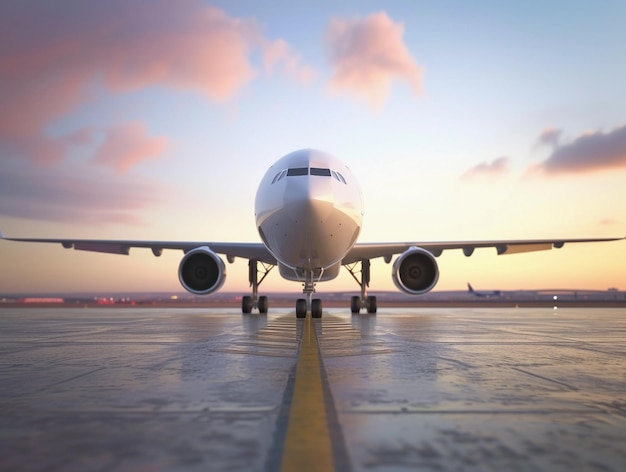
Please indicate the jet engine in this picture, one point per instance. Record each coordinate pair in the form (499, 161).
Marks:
(201, 271)
(415, 271)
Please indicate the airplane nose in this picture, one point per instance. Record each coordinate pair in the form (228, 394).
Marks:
(310, 202)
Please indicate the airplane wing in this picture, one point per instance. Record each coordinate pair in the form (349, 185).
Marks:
(230, 250)
(387, 250)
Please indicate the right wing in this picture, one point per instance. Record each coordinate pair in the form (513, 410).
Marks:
(362, 251)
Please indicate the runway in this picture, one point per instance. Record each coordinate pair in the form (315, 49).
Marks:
(148, 389)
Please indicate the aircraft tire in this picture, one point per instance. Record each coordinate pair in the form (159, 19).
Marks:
(263, 305)
(371, 304)
(301, 308)
(316, 308)
(246, 304)
(355, 304)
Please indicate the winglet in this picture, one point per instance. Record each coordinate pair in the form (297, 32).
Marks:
(1, 235)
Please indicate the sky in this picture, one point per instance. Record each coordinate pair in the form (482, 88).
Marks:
(461, 120)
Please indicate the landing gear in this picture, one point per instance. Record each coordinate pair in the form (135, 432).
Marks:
(363, 301)
(316, 308)
(248, 303)
(310, 303)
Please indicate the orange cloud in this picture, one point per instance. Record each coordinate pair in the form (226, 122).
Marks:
(128, 144)
(497, 167)
(51, 61)
(368, 54)
(587, 153)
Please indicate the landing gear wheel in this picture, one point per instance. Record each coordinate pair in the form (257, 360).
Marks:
(355, 304)
(263, 305)
(301, 308)
(371, 304)
(316, 308)
(246, 304)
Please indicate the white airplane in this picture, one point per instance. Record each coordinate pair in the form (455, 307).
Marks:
(309, 212)
(489, 294)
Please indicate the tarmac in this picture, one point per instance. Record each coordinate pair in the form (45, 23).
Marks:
(434, 389)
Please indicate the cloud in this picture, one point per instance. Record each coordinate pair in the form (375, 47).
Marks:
(278, 54)
(495, 168)
(52, 61)
(588, 153)
(126, 145)
(549, 137)
(367, 55)
(75, 196)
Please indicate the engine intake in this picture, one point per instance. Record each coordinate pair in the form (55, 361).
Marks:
(201, 271)
(415, 271)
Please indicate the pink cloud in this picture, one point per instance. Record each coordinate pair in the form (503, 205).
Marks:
(589, 152)
(497, 167)
(51, 61)
(368, 54)
(75, 195)
(278, 54)
(128, 144)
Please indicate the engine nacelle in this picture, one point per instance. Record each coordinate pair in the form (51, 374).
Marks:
(415, 271)
(201, 271)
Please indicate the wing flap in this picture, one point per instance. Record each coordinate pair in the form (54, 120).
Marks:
(521, 248)
(95, 247)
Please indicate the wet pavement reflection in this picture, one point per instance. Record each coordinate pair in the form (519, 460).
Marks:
(210, 389)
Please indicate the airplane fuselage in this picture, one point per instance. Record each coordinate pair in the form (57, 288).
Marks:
(308, 212)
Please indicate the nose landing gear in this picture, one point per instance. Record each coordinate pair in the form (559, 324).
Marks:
(310, 303)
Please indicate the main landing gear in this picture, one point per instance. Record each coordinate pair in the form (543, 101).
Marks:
(363, 301)
(248, 303)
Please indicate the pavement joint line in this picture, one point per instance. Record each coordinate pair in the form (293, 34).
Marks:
(307, 443)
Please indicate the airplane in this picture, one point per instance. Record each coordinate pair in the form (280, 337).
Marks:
(493, 293)
(309, 211)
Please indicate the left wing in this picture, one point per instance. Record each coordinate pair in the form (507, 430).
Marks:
(362, 251)
(231, 250)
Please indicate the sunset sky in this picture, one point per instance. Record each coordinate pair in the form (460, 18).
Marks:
(462, 120)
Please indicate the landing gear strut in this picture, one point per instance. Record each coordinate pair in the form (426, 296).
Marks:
(362, 301)
(248, 303)
(310, 303)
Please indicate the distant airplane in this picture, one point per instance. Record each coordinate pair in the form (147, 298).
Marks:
(308, 212)
(490, 294)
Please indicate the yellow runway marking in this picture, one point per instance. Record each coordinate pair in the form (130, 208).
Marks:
(307, 445)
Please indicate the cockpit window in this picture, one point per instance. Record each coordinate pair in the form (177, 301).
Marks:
(318, 171)
(276, 177)
(341, 179)
(298, 171)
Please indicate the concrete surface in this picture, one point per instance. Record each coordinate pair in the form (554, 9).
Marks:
(147, 389)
